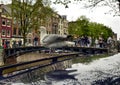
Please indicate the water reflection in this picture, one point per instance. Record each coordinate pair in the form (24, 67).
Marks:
(105, 71)
(38, 77)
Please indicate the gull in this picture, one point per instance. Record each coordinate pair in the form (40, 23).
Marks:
(54, 40)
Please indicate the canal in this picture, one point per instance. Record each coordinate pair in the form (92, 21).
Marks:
(103, 71)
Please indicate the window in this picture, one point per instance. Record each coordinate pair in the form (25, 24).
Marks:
(58, 32)
(3, 32)
(8, 23)
(3, 22)
(8, 32)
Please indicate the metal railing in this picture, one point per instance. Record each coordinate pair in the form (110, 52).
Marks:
(14, 52)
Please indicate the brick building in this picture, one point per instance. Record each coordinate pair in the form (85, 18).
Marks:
(10, 28)
(5, 27)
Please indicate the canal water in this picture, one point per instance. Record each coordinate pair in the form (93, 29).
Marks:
(104, 71)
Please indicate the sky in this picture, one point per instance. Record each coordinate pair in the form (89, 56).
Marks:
(98, 15)
(95, 15)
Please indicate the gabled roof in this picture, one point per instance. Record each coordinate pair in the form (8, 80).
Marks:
(6, 10)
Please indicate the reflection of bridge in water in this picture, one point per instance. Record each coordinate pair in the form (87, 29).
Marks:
(19, 66)
(36, 74)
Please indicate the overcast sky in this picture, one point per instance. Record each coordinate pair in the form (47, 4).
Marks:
(96, 15)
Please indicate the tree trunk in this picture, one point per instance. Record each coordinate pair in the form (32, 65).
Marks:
(24, 40)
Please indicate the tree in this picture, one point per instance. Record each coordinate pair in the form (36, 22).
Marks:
(45, 13)
(29, 14)
(113, 4)
(79, 27)
(82, 26)
(83, 21)
(25, 12)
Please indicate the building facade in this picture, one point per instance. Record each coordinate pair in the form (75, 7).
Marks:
(55, 23)
(10, 28)
(65, 24)
(5, 28)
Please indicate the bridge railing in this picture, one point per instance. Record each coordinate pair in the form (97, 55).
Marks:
(22, 50)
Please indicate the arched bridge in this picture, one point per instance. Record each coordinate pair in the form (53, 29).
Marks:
(14, 52)
(10, 52)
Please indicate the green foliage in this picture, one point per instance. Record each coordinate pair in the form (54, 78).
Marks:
(25, 12)
(83, 27)
(29, 14)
